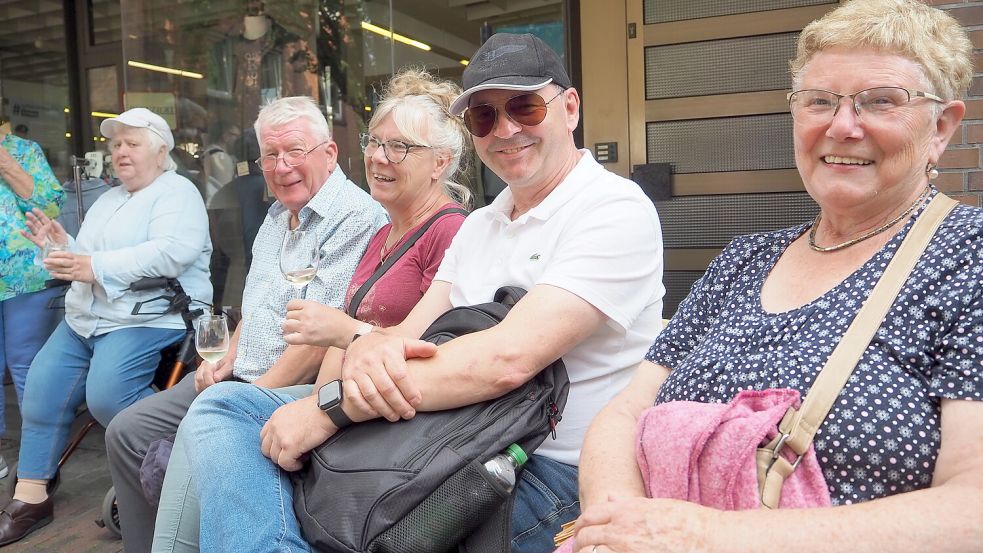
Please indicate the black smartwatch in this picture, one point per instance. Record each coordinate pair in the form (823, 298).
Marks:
(329, 399)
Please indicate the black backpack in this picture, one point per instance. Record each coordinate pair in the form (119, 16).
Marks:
(404, 487)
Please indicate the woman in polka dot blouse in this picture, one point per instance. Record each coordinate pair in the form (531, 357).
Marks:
(876, 86)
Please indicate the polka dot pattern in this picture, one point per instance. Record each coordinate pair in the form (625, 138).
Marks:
(882, 435)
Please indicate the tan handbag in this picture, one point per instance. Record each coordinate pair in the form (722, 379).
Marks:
(799, 426)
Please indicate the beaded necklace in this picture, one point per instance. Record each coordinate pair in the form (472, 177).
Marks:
(861, 238)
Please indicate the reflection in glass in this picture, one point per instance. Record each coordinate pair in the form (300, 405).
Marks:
(34, 79)
(104, 21)
(215, 63)
(103, 101)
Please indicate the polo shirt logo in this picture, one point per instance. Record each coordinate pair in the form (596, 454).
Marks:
(504, 51)
(534, 257)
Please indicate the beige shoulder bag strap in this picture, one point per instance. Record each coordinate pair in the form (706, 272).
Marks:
(798, 427)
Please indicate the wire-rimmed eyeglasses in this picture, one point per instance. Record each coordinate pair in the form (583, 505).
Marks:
(291, 158)
(394, 150)
(820, 106)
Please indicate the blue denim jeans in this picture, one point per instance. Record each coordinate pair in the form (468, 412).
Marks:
(25, 324)
(545, 498)
(108, 372)
(222, 430)
(248, 499)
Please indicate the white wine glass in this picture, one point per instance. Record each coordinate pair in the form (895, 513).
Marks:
(300, 255)
(212, 337)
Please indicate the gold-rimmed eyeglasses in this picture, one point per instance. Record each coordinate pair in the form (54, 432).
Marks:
(291, 158)
(817, 106)
(394, 150)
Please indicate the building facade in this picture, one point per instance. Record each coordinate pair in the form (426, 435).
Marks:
(687, 96)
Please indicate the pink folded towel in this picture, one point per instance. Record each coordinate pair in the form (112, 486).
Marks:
(705, 453)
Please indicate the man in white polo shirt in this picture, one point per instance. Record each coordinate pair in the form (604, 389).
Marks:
(584, 242)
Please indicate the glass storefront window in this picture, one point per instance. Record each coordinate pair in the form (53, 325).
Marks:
(103, 100)
(207, 67)
(34, 78)
(104, 21)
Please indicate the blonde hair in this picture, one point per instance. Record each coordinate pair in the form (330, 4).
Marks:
(420, 107)
(926, 35)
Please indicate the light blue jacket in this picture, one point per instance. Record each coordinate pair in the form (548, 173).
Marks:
(160, 230)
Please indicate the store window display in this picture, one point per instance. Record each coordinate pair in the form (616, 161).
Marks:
(241, 53)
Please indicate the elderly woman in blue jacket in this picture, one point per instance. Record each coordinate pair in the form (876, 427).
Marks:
(153, 225)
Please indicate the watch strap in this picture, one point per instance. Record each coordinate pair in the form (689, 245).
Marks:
(362, 330)
(338, 416)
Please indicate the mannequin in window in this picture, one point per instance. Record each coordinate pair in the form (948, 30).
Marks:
(270, 62)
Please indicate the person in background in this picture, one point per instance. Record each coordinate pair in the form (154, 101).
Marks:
(876, 98)
(218, 162)
(154, 225)
(250, 187)
(26, 320)
(218, 170)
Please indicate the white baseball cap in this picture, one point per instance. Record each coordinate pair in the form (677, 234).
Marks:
(141, 118)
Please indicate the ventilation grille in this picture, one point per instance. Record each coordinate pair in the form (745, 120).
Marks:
(665, 11)
(722, 144)
(719, 66)
(713, 221)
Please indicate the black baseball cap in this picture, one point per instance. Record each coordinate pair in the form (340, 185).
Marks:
(509, 61)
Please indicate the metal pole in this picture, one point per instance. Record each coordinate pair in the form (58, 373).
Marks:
(77, 165)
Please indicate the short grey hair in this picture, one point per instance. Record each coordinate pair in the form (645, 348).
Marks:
(286, 110)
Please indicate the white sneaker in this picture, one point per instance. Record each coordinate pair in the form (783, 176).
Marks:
(4, 469)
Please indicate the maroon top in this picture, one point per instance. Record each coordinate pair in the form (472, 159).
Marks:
(393, 296)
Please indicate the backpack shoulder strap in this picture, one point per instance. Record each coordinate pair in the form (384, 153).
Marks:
(364, 288)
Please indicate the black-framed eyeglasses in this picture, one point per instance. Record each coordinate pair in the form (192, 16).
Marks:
(527, 109)
(815, 106)
(291, 158)
(394, 150)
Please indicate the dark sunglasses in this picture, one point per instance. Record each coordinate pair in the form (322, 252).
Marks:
(527, 110)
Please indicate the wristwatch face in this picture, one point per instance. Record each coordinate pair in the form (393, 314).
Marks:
(329, 395)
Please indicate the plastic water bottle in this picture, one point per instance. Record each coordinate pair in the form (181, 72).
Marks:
(503, 466)
(451, 512)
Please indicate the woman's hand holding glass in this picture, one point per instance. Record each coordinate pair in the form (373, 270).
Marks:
(51, 237)
(45, 232)
(311, 323)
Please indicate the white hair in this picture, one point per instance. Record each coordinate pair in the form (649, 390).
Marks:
(286, 110)
(156, 143)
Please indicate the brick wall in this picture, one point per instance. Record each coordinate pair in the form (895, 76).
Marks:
(961, 168)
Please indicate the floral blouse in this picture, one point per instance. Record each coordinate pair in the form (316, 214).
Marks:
(20, 271)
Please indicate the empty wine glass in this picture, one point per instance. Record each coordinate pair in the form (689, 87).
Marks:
(212, 337)
(300, 255)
